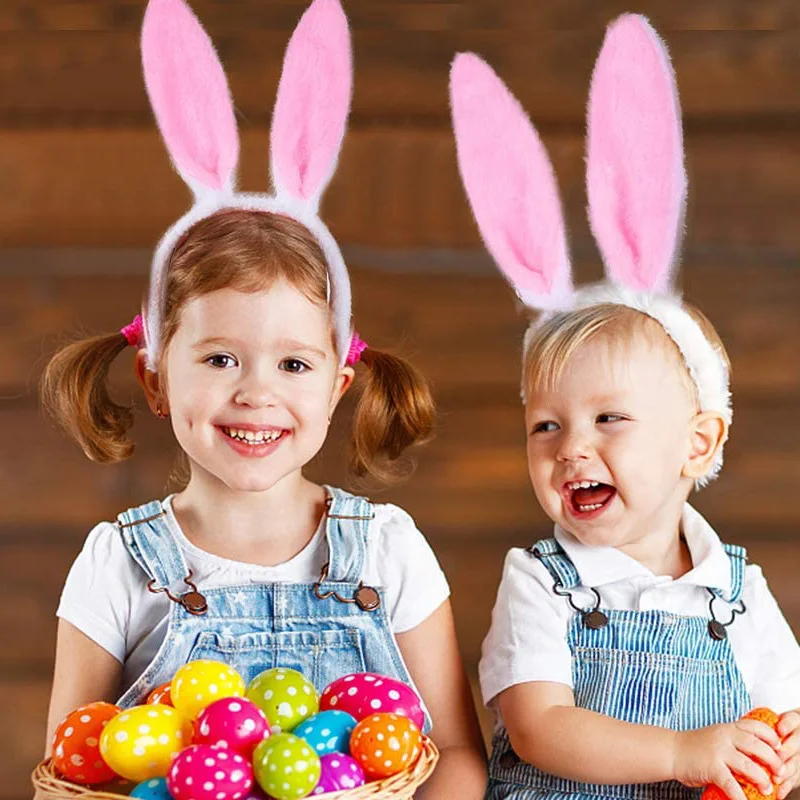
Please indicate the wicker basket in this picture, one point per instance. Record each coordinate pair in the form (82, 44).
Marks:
(398, 787)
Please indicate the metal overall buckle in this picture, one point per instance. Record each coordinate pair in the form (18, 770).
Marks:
(193, 601)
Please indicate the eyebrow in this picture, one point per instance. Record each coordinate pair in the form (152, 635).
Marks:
(286, 344)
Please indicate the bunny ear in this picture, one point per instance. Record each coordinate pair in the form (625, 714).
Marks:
(636, 182)
(510, 184)
(190, 97)
(313, 103)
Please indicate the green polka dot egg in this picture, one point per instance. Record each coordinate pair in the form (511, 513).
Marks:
(286, 766)
(199, 683)
(285, 696)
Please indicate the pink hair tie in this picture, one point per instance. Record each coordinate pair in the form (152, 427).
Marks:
(357, 347)
(134, 331)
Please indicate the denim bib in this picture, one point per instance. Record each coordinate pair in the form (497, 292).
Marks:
(646, 667)
(316, 628)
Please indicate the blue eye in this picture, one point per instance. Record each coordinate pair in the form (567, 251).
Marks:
(294, 365)
(545, 427)
(221, 361)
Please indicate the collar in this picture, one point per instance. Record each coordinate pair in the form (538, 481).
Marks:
(602, 565)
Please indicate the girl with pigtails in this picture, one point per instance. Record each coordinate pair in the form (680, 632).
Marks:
(246, 345)
(624, 651)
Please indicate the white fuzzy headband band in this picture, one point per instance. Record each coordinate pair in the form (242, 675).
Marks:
(191, 100)
(636, 186)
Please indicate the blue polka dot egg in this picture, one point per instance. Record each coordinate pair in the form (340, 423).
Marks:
(153, 789)
(327, 732)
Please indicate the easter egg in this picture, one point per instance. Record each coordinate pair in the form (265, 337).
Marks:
(199, 683)
(76, 751)
(234, 723)
(327, 732)
(139, 743)
(339, 772)
(286, 767)
(152, 789)
(285, 696)
(202, 772)
(385, 744)
(365, 693)
(161, 694)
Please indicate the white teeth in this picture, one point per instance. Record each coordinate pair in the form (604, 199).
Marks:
(252, 437)
(592, 507)
(582, 485)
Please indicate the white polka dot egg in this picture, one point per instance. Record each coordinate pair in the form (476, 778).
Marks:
(286, 767)
(202, 772)
(285, 696)
(365, 693)
(199, 683)
(233, 723)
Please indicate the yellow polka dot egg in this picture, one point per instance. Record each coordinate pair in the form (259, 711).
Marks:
(199, 683)
(141, 742)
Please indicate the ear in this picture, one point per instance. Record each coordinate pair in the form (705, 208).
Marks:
(708, 432)
(151, 384)
(313, 102)
(510, 185)
(344, 380)
(636, 182)
(190, 97)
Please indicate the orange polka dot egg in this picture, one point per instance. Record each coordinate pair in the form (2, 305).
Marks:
(385, 744)
(76, 744)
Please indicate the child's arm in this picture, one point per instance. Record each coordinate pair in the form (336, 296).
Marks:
(547, 730)
(84, 672)
(430, 651)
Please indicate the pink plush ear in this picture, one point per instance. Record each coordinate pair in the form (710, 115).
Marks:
(189, 94)
(313, 102)
(636, 181)
(510, 184)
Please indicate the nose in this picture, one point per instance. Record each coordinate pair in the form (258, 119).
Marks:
(256, 389)
(574, 446)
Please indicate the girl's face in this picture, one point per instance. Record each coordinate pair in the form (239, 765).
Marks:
(251, 382)
(607, 447)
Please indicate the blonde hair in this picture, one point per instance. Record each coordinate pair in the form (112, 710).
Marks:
(247, 251)
(550, 345)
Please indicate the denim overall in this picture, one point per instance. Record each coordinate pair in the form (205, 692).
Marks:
(647, 667)
(316, 628)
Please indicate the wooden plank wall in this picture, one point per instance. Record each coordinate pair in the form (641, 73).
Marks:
(86, 188)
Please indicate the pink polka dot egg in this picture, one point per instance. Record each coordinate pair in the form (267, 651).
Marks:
(202, 772)
(365, 693)
(232, 723)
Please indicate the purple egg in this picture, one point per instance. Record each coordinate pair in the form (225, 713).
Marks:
(339, 772)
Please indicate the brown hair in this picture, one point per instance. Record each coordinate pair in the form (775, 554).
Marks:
(247, 251)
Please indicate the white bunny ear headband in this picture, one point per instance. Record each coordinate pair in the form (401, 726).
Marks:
(191, 100)
(636, 186)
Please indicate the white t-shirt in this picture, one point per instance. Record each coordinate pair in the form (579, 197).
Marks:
(527, 640)
(106, 596)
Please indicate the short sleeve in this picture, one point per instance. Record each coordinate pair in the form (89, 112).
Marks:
(777, 683)
(96, 597)
(403, 563)
(527, 640)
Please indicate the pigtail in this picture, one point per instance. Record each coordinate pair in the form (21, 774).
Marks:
(74, 390)
(395, 410)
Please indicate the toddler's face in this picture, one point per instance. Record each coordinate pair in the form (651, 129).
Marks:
(251, 380)
(607, 446)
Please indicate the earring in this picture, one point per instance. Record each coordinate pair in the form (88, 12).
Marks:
(160, 412)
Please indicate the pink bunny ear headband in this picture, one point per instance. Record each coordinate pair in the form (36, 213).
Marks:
(191, 100)
(636, 188)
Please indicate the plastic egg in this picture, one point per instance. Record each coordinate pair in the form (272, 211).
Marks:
(385, 744)
(233, 723)
(365, 693)
(140, 743)
(327, 732)
(199, 683)
(339, 772)
(202, 772)
(286, 767)
(153, 789)
(161, 695)
(285, 696)
(76, 751)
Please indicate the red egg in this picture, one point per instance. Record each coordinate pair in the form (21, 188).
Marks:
(385, 744)
(201, 772)
(161, 695)
(76, 750)
(233, 723)
(365, 693)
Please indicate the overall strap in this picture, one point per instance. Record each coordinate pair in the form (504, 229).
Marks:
(151, 544)
(550, 553)
(737, 556)
(346, 530)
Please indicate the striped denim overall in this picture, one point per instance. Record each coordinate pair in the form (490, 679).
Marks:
(315, 628)
(647, 667)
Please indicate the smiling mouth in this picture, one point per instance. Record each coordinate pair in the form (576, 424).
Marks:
(253, 437)
(588, 496)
